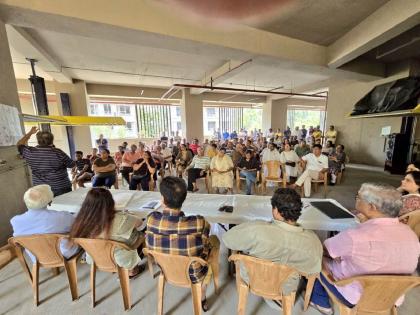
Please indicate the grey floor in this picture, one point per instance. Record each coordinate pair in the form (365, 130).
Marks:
(16, 293)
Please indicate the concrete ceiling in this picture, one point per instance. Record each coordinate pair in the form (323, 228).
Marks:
(146, 46)
(321, 22)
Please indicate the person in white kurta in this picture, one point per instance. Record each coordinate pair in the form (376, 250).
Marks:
(272, 154)
(289, 157)
(221, 170)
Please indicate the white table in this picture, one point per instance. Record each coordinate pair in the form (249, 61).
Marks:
(246, 208)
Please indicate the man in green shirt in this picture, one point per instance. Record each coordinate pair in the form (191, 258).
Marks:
(302, 149)
(282, 240)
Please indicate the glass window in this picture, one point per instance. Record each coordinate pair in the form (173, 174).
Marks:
(125, 109)
(211, 125)
(93, 109)
(178, 111)
(178, 126)
(299, 117)
(211, 112)
(107, 109)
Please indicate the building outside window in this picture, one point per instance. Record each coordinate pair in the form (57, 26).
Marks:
(125, 110)
(107, 109)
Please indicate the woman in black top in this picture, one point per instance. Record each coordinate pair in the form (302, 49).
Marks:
(144, 170)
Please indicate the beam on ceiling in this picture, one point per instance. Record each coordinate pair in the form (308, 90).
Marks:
(25, 44)
(392, 19)
(223, 73)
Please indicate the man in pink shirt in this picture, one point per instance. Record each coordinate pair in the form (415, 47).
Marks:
(380, 245)
(128, 159)
(194, 146)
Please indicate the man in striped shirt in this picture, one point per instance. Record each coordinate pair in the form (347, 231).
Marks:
(48, 164)
(198, 168)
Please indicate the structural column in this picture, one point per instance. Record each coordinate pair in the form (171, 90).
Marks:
(79, 103)
(14, 175)
(274, 114)
(192, 116)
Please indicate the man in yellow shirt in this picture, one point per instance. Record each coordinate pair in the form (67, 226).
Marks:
(317, 134)
(331, 135)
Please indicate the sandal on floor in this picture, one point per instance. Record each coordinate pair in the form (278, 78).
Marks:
(323, 310)
(139, 270)
(205, 305)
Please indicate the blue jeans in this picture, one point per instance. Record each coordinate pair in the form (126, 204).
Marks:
(250, 177)
(107, 181)
(320, 296)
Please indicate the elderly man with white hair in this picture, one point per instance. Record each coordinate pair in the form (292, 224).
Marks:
(380, 245)
(39, 220)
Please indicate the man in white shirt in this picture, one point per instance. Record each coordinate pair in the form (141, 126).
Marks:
(271, 153)
(316, 168)
(39, 220)
(269, 134)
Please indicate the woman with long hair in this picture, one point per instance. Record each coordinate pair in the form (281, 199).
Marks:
(410, 187)
(183, 159)
(98, 218)
(144, 172)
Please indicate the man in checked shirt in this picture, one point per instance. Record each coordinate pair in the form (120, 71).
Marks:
(171, 232)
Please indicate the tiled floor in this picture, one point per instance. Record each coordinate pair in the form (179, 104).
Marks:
(16, 293)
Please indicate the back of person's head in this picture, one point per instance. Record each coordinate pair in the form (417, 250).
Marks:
(288, 203)
(95, 215)
(45, 138)
(38, 197)
(173, 191)
(386, 199)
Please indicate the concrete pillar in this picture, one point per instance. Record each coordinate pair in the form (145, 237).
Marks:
(14, 175)
(79, 103)
(266, 114)
(279, 114)
(192, 116)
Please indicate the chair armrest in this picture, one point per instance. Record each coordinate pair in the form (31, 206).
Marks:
(407, 215)
(329, 277)
(140, 241)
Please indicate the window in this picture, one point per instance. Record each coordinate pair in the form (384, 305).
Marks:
(107, 109)
(211, 125)
(125, 110)
(178, 126)
(93, 109)
(129, 126)
(307, 117)
(211, 112)
(231, 118)
(178, 111)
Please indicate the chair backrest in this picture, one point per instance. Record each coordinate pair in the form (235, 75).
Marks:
(381, 292)
(273, 169)
(414, 221)
(101, 251)
(175, 268)
(45, 248)
(265, 277)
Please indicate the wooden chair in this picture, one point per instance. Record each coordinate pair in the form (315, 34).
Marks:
(7, 254)
(265, 280)
(324, 182)
(380, 292)
(239, 179)
(46, 249)
(412, 219)
(102, 253)
(273, 168)
(175, 270)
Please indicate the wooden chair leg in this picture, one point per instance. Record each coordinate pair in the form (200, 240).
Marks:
(243, 297)
(71, 270)
(35, 282)
(125, 287)
(55, 271)
(325, 188)
(92, 283)
(308, 292)
(196, 296)
(150, 265)
(214, 263)
(343, 310)
(161, 291)
(22, 261)
(288, 301)
(394, 311)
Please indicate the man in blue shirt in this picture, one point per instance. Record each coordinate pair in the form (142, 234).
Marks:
(225, 135)
(39, 220)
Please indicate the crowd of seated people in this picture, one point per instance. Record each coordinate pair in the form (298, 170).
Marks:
(301, 162)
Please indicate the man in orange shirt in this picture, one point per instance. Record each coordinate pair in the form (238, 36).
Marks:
(128, 159)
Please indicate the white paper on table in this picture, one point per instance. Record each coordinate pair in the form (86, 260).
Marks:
(122, 200)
